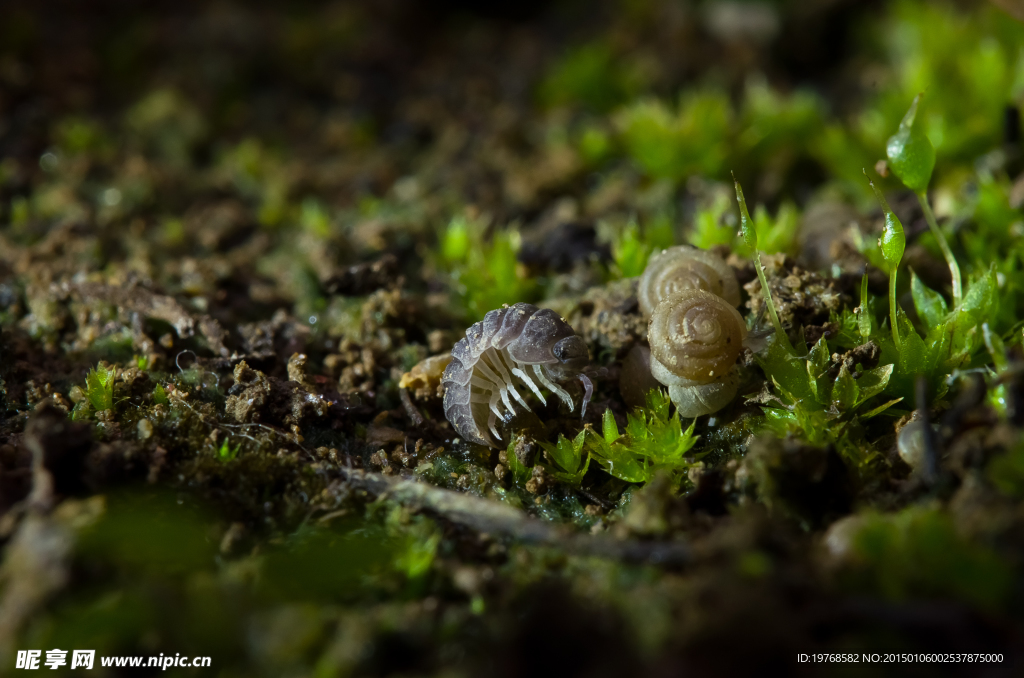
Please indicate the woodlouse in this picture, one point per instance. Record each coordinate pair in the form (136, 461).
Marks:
(500, 352)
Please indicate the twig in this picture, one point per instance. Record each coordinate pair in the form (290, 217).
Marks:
(490, 517)
(410, 409)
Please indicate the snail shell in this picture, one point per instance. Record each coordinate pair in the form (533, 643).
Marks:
(696, 335)
(696, 338)
(912, 443)
(685, 268)
(693, 399)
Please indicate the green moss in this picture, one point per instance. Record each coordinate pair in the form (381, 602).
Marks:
(675, 143)
(569, 463)
(1006, 471)
(484, 272)
(632, 247)
(653, 442)
(99, 392)
(917, 553)
(590, 75)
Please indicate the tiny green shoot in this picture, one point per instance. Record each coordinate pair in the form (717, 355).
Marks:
(227, 451)
(911, 157)
(749, 235)
(892, 243)
(570, 463)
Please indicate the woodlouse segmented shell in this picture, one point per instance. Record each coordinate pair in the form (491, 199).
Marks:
(509, 348)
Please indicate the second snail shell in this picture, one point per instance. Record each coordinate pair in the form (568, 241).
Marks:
(696, 338)
(684, 268)
(696, 335)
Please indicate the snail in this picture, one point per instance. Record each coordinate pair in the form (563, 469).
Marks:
(499, 353)
(685, 268)
(695, 338)
(912, 443)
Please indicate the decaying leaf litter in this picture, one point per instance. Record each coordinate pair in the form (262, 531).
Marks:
(238, 245)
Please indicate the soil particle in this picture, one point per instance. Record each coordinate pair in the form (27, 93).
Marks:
(801, 297)
(364, 278)
(257, 398)
(865, 355)
(609, 319)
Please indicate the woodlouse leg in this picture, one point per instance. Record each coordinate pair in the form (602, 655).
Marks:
(488, 373)
(588, 391)
(490, 425)
(493, 404)
(553, 387)
(508, 403)
(529, 382)
(493, 383)
(482, 384)
(494, 362)
(509, 383)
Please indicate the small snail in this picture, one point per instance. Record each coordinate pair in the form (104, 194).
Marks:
(695, 338)
(498, 353)
(912, 442)
(685, 268)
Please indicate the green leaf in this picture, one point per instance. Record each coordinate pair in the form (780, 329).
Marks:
(845, 392)
(914, 352)
(788, 372)
(780, 421)
(910, 153)
(708, 229)
(567, 455)
(456, 242)
(930, 305)
(872, 382)
(747, 230)
(981, 300)
(577, 444)
(629, 252)
(878, 410)
(609, 427)
(994, 344)
(619, 463)
(99, 387)
(562, 453)
(817, 366)
(893, 241)
(864, 319)
(227, 452)
(520, 472)
(82, 410)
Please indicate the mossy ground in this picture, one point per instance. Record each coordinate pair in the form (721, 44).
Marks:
(232, 237)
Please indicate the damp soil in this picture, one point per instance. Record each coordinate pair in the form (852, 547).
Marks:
(223, 322)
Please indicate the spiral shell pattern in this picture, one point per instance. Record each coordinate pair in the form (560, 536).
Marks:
(685, 268)
(696, 335)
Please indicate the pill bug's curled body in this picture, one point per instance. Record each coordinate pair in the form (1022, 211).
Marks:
(696, 338)
(685, 268)
(511, 347)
